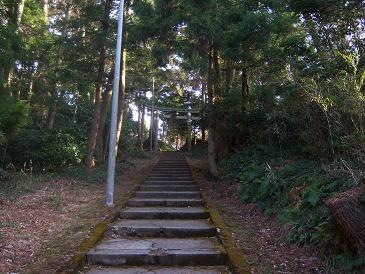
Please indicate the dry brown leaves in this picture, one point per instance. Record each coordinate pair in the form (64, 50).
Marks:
(33, 219)
(39, 232)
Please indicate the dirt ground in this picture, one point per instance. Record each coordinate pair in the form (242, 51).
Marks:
(259, 237)
(41, 231)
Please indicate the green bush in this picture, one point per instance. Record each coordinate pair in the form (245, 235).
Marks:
(46, 149)
(13, 116)
(291, 188)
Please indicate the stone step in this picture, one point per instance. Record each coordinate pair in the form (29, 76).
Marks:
(174, 179)
(172, 165)
(170, 175)
(162, 228)
(164, 213)
(174, 202)
(171, 183)
(169, 188)
(171, 169)
(168, 194)
(162, 252)
(160, 270)
(177, 178)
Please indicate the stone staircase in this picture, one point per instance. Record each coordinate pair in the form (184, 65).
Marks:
(164, 229)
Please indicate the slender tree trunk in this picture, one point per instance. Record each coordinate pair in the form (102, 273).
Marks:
(155, 141)
(211, 124)
(30, 93)
(101, 129)
(216, 76)
(19, 14)
(45, 10)
(15, 22)
(107, 94)
(52, 108)
(122, 78)
(3, 160)
(89, 160)
(204, 100)
(142, 125)
(54, 96)
(139, 139)
(121, 95)
(228, 76)
(243, 138)
(244, 84)
(220, 140)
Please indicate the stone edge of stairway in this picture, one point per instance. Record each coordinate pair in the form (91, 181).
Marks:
(96, 234)
(236, 259)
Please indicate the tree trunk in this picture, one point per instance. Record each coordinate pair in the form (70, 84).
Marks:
(211, 135)
(89, 160)
(220, 140)
(45, 10)
(52, 108)
(107, 95)
(216, 77)
(19, 14)
(139, 139)
(15, 22)
(244, 84)
(142, 125)
(228, 76)
(122, 78)
(121, 95)
(54, 96)
(155, 137)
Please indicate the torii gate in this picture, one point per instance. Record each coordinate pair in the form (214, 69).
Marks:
(188, 117)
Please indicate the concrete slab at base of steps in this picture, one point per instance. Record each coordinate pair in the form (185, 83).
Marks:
(168, 194)
(168, 188)
(160, 270)
(162, 252)
(169, 202)
(164, 213)
(162, 228)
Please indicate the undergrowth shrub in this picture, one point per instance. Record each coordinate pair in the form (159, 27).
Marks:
(292, 189)
(46, 149)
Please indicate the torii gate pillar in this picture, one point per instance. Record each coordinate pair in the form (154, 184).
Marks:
(189, 120)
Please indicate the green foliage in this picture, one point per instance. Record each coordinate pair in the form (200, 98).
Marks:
(47, 149)
(291, 188)
(10, 44)
(13, 115)
(344, 262)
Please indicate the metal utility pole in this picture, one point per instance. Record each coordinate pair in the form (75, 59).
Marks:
(114, 118)
(152, 118)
